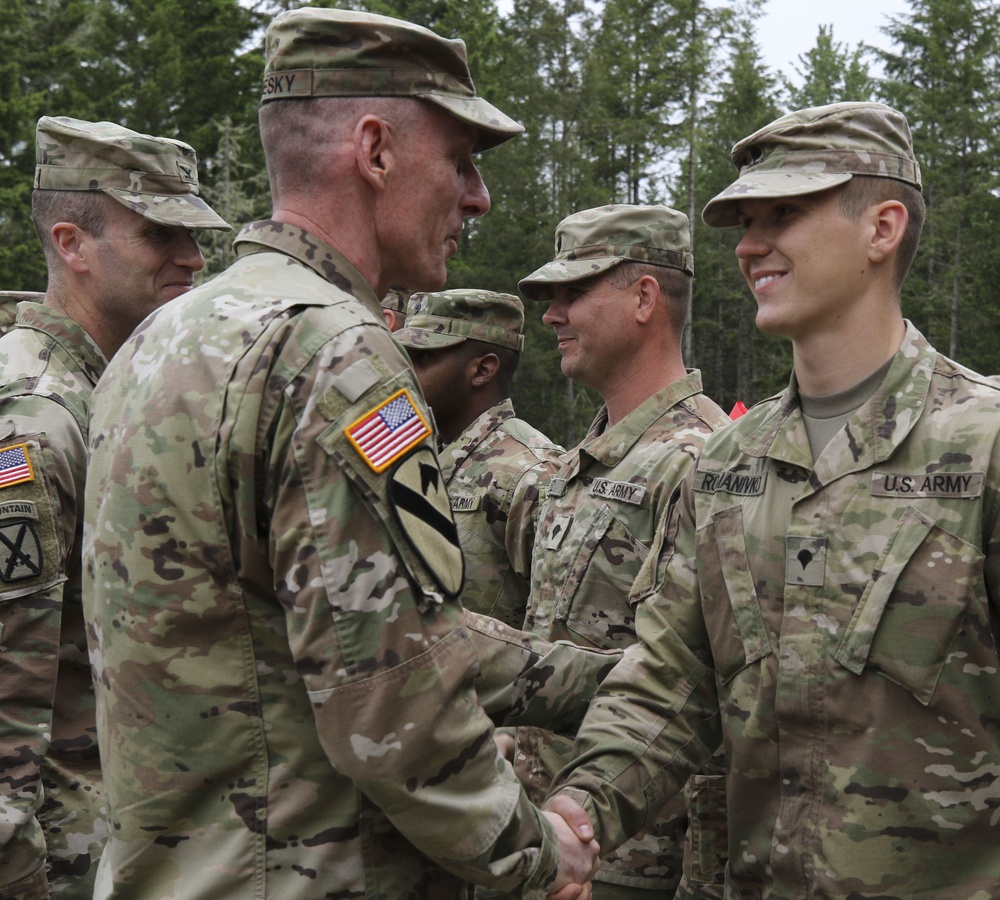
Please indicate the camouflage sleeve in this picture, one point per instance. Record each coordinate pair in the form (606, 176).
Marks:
(526, 680)
(389, 670)
(40, 483)
(655, 718)
(522, 518)
(991, 541)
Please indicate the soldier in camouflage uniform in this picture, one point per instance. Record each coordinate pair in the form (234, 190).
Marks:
(114, 211)
(285, 691)
(465, 346)
(828, 596)
(618, 292)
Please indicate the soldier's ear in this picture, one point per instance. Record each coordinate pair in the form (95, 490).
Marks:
(374, 154)
(888, 225)
(647, 297)
(72, 244)
(482, 370)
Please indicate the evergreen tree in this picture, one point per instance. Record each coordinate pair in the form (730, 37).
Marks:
(238, 192)
(830, 73)
(737, 362)
(944, 77)
(633, 93)
(534, 181)
(42, 42)
(173, 67)
(705, 28)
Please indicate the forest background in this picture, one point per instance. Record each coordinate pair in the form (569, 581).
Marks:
(630, 101)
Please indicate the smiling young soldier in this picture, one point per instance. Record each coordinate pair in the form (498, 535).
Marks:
(827, 597)
(115, 211)
(618, 291)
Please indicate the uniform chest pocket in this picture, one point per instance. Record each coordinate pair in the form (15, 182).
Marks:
(732, 615)
(913, 606)
(593, 595)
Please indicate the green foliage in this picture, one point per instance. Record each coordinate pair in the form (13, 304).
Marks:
(737, 362)
(945, 78)
(43, 50)
(830, 73)
(622, 101)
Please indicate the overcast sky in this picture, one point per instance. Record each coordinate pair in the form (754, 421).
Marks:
(789, 27)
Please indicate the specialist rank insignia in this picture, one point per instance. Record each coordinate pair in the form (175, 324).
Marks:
(384, 434)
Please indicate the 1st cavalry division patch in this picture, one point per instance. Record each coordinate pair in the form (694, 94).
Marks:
(384, 434)
(419, 499)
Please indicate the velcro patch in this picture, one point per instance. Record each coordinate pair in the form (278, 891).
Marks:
(805, 560)
(624, 491)
(21, 553)
(741, 484)
(465, 502)
(939, 484)
(557, 487)
(187, 173)
(15, 465)
(387, 432)
(18, 509)
(419, 500)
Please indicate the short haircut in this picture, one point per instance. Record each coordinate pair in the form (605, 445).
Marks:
(85, 209)
(469, 349)
(675, 285)
(297, 135)
(865, 191)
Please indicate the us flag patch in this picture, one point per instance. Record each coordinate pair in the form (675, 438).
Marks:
(385, 433)
(15, 466)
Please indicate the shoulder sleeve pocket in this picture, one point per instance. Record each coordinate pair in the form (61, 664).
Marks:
(381, 442)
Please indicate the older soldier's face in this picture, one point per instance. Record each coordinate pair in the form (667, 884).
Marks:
(139, 265)
(436, 186)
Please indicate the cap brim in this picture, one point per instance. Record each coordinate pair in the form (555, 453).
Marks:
(539, 284)
(182, 210)
(494, 127)
(433, 340)
(722, 211)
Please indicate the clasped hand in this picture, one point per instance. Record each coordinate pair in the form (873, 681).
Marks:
(578, 851)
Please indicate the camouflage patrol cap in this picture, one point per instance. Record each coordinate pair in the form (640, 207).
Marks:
(155, 177)
(337, 53)
(595, 240)
(395, 300)
(445, 318)
(815, 149)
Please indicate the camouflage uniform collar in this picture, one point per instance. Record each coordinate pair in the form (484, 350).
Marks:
(610, 445)
(306, 248)
(878, 428)
(66, 332)
(8, 306)
(455, 453)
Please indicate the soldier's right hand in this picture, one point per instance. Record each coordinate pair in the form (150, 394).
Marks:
(578, 852)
